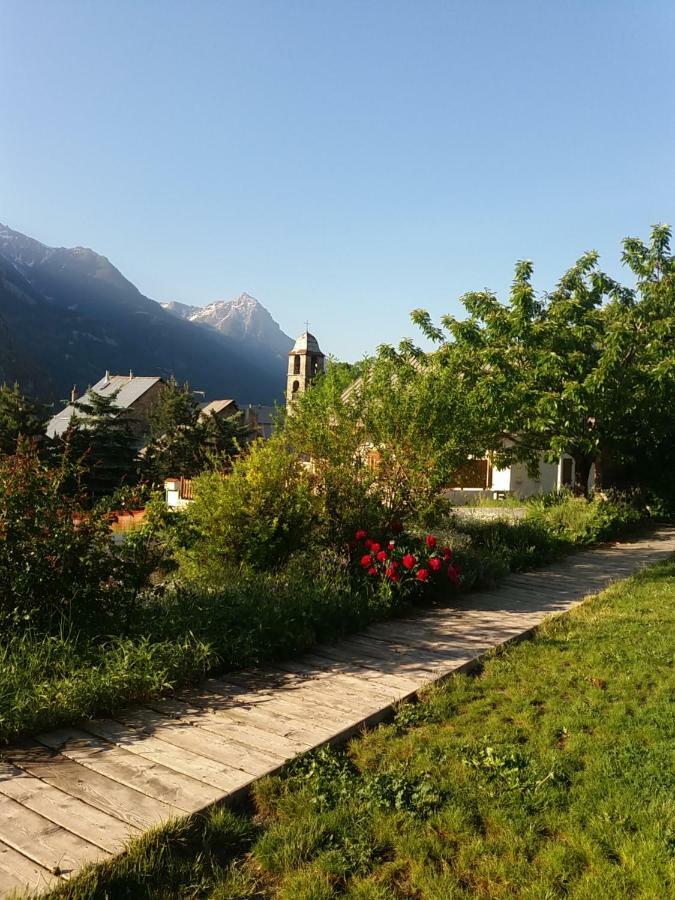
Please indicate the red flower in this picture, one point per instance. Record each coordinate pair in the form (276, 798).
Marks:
(453, 574)
(431, 541)
(369, 544)
(372, 570)
(381, 556)
(435, 564)
(392, 573)
(409, 561)
(423, 575)
(375, 547)
(367, 561)
(392, 544)
(360, 535)
(447, 553)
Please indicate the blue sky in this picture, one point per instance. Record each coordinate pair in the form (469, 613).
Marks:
(344, 161)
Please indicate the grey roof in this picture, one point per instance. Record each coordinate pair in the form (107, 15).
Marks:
(131, 388)
(217, 406)
(306, 343)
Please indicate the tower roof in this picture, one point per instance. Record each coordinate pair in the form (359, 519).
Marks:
(306, 343)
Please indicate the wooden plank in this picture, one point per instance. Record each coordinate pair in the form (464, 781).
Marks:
(18, 873)
(403, 684)
(277, 702)
(202, 768)
(202, 742)
(109, 796)
(184, 794)
(292, 700)
(47, 844)
(351, 657)
(74, 815)
(205, 706)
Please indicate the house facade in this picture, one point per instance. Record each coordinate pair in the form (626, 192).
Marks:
(480, 479)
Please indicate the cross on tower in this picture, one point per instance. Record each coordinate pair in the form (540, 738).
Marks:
(306, 326)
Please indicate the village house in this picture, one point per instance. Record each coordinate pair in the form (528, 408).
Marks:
(136, 393)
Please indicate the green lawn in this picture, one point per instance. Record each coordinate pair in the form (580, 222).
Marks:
(549, 774)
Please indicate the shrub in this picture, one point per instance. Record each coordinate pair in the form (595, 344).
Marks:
(577, 520)
(254, 517)
(410, 564)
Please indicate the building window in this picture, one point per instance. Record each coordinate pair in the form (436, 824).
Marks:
(296, 387)
(296, 365)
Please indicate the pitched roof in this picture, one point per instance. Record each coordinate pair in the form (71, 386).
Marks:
(218, 406)
(131, 388)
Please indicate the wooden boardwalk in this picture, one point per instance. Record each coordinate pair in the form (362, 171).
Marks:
(75, 795)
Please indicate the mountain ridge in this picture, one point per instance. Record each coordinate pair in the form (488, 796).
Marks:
(68, 314)
(244, 318)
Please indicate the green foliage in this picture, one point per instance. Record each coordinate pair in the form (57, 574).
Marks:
(101, 439)
(20, 417)
(183, 441)
(255, 516)
(383, 445)
(55, 679)
(588, 370)
(56, 557)
(579, 521)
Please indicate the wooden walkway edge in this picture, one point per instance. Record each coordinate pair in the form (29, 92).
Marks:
(77, 795)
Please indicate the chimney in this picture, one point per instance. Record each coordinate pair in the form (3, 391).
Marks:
(106, 381)
(131, 375)
(73, 394)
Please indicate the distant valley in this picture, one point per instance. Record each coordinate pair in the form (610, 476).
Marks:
(67, 315)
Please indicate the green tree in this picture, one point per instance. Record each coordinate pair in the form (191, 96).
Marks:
(576, 371)
(183, 441)
(101, 438)
(20, 417)
(383, 445)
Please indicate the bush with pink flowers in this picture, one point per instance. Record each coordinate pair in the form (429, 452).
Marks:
(407, 563)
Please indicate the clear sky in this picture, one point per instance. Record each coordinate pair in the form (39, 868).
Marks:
(342, 160)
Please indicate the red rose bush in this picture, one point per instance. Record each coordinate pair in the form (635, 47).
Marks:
(406, 562)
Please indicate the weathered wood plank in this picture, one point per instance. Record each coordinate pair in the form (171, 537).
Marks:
(176, 758)
(179, 791)
(74, 815)
(202, 742)
(103, 793)
(18, 873)
(50, 846)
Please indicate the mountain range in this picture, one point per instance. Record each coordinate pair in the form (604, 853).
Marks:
(67, 315)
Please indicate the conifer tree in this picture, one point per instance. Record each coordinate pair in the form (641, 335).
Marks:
(101, 436)
(20, 417)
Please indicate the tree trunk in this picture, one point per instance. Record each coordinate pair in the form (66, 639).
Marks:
(582, 471)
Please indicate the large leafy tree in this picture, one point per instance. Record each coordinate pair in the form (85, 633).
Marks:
(575, 371)
(382, 445)
(20, 417)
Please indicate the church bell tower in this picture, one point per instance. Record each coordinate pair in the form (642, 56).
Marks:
(305, 362)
